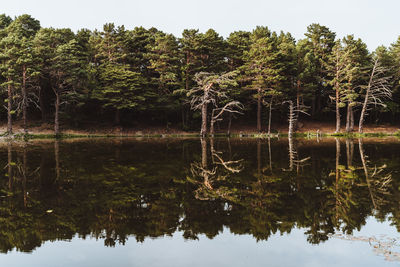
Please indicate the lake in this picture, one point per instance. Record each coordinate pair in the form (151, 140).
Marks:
(191, 202)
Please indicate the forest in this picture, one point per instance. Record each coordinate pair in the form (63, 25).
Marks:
(198, 81)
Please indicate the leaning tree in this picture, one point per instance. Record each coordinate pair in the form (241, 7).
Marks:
(376, 91)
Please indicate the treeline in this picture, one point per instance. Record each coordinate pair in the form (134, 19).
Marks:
(128, 77)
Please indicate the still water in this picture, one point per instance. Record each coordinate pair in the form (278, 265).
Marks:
(221, 202)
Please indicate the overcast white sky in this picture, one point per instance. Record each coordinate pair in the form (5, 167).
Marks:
(376, 22)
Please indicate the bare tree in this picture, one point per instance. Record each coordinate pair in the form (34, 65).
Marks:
(210, 88)
(216, 114)
(293, 115)
(376, 91)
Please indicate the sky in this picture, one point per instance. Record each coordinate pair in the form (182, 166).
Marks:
(375, 22)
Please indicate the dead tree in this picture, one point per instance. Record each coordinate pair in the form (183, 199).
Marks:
(210, 88)
(376, 91)
(217, 113)
(293, 115)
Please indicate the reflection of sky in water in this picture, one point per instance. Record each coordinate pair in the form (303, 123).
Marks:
(225, 249)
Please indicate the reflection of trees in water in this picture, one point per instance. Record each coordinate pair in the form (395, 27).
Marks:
(118, 190)
(382, 246)
(218, 170)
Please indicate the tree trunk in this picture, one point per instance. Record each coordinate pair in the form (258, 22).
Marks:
(292, 119)
(24, 98)
(117, 118)
(337, 112)
(351, 119)
(212, 122)
(348, 117)
(365, 104)
(183, 117)
(229, 124)
(57, 111)
(9, 109)
(297, 102)
(259, 110)
(204, 107)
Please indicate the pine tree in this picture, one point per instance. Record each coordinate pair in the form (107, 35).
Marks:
(262, 69)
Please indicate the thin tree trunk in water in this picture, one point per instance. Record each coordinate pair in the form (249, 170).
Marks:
(270, 154)
(9, 165)
(348, 157)
(269, 117)
(259, 159)
(259, 110)
(291, 153)
(204, 162)
(9, 109)
(337, 112)
(348, 118)
(24, 170)
(337, 174)
(229, 124)
(56, 119)
(364, 163)
(57, 158)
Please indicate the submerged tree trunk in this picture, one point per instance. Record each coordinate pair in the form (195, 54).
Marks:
(57, 158)
(24, 171)
(56, 118)
(259, 110)
(337, 176)
(259, 158)
(9, 165)
(9, 108)
(364, 163)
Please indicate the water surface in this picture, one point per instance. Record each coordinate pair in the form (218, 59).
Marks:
(174, 202)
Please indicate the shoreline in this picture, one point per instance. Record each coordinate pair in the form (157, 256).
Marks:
(307, 135)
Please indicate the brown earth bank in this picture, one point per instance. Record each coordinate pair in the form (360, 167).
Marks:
(323, 128)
